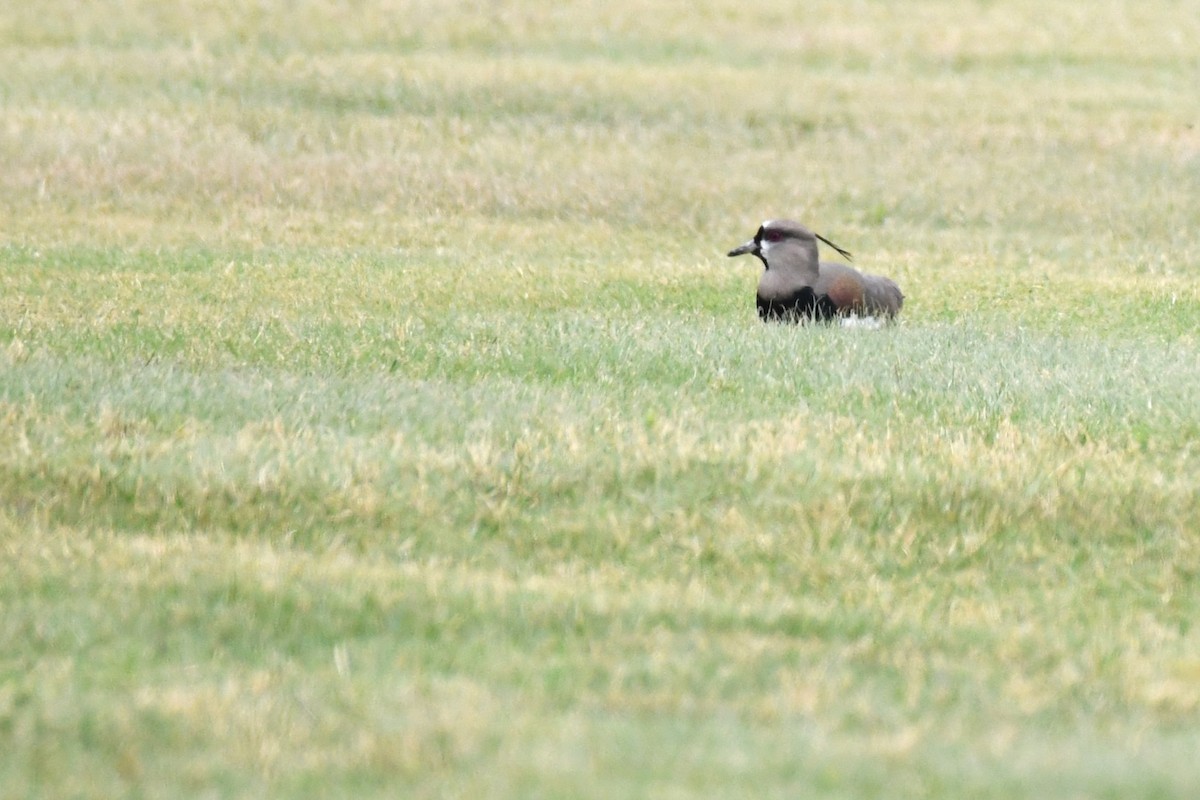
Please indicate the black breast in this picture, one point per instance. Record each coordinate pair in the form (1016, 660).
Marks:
(801, 306)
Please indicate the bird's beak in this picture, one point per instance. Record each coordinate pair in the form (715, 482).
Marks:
(741, 250)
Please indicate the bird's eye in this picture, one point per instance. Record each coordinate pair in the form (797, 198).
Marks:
(772, 235)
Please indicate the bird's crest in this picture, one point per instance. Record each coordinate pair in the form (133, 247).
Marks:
(845, 253)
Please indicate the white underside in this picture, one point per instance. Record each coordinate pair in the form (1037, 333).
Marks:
(869, 323)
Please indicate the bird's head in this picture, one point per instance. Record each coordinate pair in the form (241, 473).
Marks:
(784, 241)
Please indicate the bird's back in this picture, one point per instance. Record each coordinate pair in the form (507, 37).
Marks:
(854, 292)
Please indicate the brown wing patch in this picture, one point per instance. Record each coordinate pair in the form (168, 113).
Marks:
(846, 292)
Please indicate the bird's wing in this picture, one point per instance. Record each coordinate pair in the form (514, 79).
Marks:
(881, 295)
(843, 286)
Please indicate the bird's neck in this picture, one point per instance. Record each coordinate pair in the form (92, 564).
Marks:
(784, 282)
(796, 263)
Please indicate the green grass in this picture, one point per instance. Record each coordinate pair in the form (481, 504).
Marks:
(379, 415)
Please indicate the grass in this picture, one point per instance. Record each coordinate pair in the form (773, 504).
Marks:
(379, 414)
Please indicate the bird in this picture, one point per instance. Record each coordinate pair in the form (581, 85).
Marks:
(797, 287)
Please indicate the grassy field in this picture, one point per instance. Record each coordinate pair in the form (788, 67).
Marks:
(380, 417)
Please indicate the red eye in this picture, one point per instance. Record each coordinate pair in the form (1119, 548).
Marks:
(772, 235)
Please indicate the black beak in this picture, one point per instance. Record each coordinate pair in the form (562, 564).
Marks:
(741, 250)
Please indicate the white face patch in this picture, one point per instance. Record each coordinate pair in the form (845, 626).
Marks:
(763, 245)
